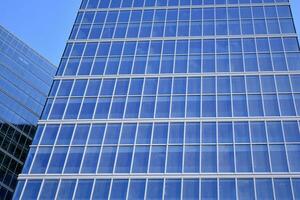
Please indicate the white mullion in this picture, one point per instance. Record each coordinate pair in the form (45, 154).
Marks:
(40, 189)
(150, 147)
(75, 189)
(93, 188)
(118, 148)
(69, 148)
(116, 23)
(110, 188)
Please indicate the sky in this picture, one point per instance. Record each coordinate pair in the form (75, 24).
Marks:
(45, 25)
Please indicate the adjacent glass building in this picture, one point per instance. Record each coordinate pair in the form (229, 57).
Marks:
(25, 81)
(172, 99)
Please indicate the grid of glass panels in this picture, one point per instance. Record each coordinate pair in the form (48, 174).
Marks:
(183, 99)
(157, 188)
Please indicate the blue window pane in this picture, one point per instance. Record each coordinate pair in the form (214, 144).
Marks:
(93, 88)
(123, 163)
(148, 104)
(208, 106)
(117, 107)
(271, 105)
(96, 134)
(87, 109)
(66, 189)
(74, 160)
(291, 130)
(65, 134)
(157, 159)
(150, 86)
(122, 87)
(165, 85)
(192, 133)
(102, 109)
(176, 133)
(58, 159)
(81, 134)
(283, 189)
(107, 160)
(90, 160)
(18, 190)
(32, 189)
(243, 158)
(224, 106)
(160, 133)
(179, 86)
(144, 133)
(136, 189)
(73, 108)
(286, 105)
(193, 106)
(155, 189)
(162, 107)
(79, 88)
(194, 85)
(133, 106)
(209, 189)
(226, 158)
(58, 108)
(136, 86)
(239, 105)
(241, 130)
(192, 159)
(275, 133)
(84, 188)
(296, 186)
(227, 189)
(255, 105)
(49, 135)
(128, 134)
(107, 87)
(209, 133)
(140, 162)
(119, 188)
(264, 189)
(174, 162)
(172, 189)
(278, 158)
(261, 158)
(41, 160)
(65, 88)
(101, 189)
(112, 134)
(293, 152)
(209, 158)
(225, 132)
(190, 189)
(258, 132)
(246, 189)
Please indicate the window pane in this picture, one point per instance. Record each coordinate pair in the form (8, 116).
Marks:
(136, 189)
(119, 188)
(227, 189)
(172, 189)
(155, 188)
(101, 189)
(84, 188)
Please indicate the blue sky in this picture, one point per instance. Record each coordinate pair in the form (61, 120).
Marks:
(45, 25)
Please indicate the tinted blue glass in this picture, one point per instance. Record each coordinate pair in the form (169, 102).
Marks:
(293, 152)
(96, 134)
(81, 134)
(136, 189)
(172, 189)
(243, 158)
(90, 160)
(226, 158)
(264, 189)
(209, 133)
(123, 162)
(227, 189)
(147, 109)
(65, 134)
(278, 158)
(144, 133)
(260, 158)
(283, 189)
(31, 189)
(101, 189)
(157, 159)
(49, 135)
(176, 133)
(174, 162)
(66, 189)
(41, 160)
(58, 159)
(190, 189)
(246, 189)
(140, 162)
(160, 133)
(291, 130)
(192, 159)
(209, 189)
(84, 188)
(155, 188)
(192, 133)
(107, 160)
(74, 160)
(120, 189)
(209, 158)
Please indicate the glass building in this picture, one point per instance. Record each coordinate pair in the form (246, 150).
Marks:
(172, 99)
(25, 80)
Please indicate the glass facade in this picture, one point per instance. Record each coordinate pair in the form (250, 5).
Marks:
(172, 99)
(25, 80)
